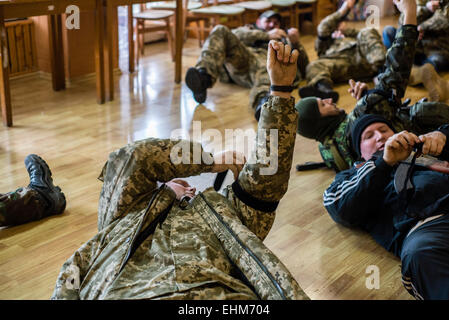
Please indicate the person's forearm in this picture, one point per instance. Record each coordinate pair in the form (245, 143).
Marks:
(410, 18)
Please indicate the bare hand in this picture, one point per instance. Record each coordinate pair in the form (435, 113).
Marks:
(399, 146)
(337, 34)
(350, 3)
(357, 89)
(421, 33)
(293, 35)
(405, 6)
(229, 160)
(433, 143)
(181, 188)
(281, 63)
(276, 34)
(433, 5)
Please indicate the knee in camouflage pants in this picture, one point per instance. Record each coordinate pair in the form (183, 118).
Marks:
(364, 62)
(227, 58)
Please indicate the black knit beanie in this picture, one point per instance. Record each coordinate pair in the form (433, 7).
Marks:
(360, 125)
(310, 122)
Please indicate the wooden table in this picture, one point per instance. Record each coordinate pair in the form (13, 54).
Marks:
(54, 9)
(112, 5)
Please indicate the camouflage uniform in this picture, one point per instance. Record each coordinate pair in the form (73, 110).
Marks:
(436, 28)
(149, 246)
(420, 118)
(21, 206)
(358, 55)
(240, 56)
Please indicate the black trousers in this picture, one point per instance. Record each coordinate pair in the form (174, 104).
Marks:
(425, 260)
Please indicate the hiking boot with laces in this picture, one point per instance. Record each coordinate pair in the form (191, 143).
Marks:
(42, 182)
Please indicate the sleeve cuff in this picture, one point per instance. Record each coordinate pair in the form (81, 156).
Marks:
(383, 166)
(249, 200)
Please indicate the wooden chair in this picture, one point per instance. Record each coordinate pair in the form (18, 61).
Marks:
(150, 20)
(188, 18)
(216, 13)
(307, 7)
(253, 9)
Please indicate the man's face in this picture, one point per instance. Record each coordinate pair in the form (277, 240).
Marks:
(268, 24)
(328, 108)
(373, 139)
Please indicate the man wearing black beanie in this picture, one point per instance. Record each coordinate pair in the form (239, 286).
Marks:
(403, 204)
(385, 100)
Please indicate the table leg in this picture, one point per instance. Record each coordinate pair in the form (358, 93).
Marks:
(5, 95)
(179, 35)
(99, 54)
(109, 50)
(56, 52)
(131, 44)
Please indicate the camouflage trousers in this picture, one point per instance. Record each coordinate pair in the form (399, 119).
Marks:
(21, 206)
(227, 58)
(362, 63)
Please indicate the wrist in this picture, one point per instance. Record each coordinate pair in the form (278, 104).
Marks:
(286, 95)
(389, 162)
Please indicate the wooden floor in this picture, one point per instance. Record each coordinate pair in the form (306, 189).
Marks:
(75, 135)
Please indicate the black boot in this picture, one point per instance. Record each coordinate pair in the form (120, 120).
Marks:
(198, 80)
(260, 101)
(323, 90)
(41, 181)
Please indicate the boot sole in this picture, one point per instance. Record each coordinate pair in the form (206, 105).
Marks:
(193, 82)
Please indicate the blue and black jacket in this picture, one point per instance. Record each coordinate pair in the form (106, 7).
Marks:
(364, 197)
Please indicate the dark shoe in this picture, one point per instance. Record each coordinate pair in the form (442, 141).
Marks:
(260, 103)
(41, 181)
(312, 91)
(198, 81)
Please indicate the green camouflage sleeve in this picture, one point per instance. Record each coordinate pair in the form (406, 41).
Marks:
(325, 29)
(267, 171)
(134, 170)
(397, 67)
(329, 24)
(266, 174)
(439, 21)
(394, 79)
(251, 36)
(350, 32)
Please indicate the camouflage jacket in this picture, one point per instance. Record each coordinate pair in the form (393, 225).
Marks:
(385, 100)
(435, 26)
(326, 46)
(151, 246)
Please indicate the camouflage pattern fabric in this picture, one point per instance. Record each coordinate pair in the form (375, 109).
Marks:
(419, 118)
(21, 206)
(358, 55)
(211, 249)
(436, 28)
(240, 56)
